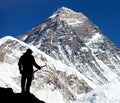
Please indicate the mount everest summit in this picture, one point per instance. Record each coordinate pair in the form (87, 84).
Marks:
(79, 58)
(72, 38)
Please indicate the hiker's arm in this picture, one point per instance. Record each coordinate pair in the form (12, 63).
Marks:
(35, 64)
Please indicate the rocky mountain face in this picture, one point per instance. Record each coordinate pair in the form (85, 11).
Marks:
(72, 38)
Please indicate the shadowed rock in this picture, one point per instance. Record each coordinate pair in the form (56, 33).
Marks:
(8, 96)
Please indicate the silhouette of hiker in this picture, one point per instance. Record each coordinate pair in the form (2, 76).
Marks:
(26, 63)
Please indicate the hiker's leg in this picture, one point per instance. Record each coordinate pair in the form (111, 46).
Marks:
(23, 79)
(29, 80)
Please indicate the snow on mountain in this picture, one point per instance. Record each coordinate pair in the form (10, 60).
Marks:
(108, 93)
(73, 39)
(56, 82)
(72, 18)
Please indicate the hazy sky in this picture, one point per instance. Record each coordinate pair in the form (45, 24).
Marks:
(19, 16)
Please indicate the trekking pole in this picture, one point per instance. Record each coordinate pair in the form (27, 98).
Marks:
(38, 69)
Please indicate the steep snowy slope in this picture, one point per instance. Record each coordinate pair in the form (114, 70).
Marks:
(56, 82)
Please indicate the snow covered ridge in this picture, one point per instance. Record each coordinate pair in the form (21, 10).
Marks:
(55, 80)
(108, 93)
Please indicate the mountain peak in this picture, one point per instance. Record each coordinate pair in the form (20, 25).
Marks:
(69, 16)
(64, 10)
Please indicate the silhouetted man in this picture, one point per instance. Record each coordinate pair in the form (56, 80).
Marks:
(26, 63)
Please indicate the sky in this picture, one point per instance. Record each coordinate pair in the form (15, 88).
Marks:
(20, 16)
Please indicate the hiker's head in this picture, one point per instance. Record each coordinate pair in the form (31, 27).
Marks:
(29, 51)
